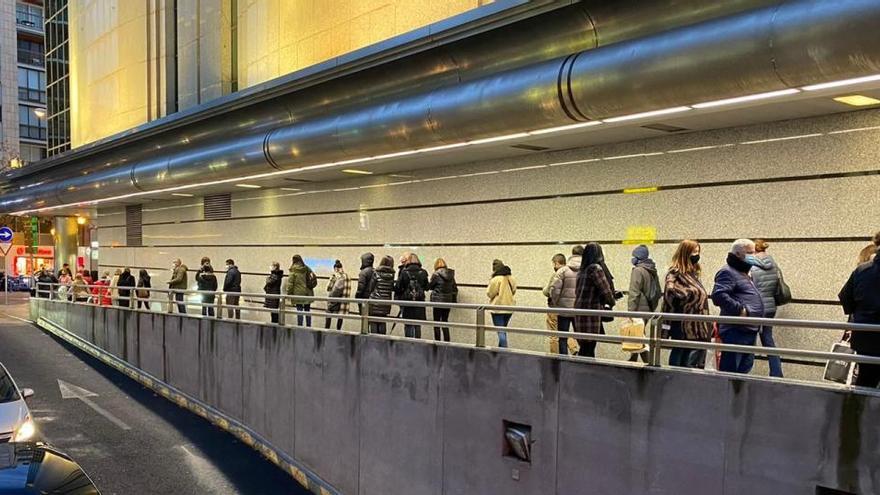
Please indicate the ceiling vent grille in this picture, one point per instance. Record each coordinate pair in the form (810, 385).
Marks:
(134, 226)
(218, 206)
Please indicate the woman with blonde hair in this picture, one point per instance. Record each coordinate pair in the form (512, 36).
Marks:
(443, 290)
(684, 293)
(867, 253)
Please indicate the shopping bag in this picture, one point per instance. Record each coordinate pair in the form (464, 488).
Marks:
(632, 327)
(837, 370)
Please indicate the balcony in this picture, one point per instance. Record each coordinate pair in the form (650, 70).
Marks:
(29, 20)
(31, 57)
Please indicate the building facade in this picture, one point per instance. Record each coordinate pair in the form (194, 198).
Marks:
(23, 83)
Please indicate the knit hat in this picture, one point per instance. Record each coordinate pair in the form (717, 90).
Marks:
(641, 252)
(497, 265)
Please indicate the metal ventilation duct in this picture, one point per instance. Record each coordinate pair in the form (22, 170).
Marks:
(538, 73)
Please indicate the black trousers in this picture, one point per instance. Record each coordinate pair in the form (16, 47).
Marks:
(338, 323)
(441, 315)
(233, 301)
(379, 327)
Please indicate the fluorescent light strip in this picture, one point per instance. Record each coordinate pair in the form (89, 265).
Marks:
(857, 129)
(844, 82)
(498, 138)
(743, 99)
(644, 115)
(787, 138)
(564, 128)
(248, 186)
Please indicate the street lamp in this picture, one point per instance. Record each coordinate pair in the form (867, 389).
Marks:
(40, 112)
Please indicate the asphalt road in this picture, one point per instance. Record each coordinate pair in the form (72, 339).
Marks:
(130, 441)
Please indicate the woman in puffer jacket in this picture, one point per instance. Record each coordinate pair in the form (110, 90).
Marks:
(444, 290)
(381, 288)
(766, 278)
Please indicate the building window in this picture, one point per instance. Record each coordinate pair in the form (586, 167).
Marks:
(58, 87)
(31, 85)
(28, 15)
(32, 153)
(30, 52)
(30, 124)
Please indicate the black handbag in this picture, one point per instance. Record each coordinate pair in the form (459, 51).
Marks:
(783, 291)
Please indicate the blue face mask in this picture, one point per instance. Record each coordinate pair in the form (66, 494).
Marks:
(635, 261)
(752, 260)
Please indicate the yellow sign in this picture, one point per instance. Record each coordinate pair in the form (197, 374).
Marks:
(640, 234)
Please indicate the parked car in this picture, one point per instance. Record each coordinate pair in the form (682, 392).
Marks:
(16, 422)
(37, 468)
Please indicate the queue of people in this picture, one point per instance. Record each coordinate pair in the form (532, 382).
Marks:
(750, 284)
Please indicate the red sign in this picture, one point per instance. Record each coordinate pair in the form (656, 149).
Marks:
(42, 251)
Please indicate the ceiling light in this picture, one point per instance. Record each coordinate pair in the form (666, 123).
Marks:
(564, 127)
(743, 99)
(248, 186)
(845, 82)
(857, 100)
(182, 195)
(357, 172)
(652, 113)
(499, 138)
(290, 189)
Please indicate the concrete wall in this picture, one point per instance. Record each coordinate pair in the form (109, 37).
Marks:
(808, 185)
(375, 415)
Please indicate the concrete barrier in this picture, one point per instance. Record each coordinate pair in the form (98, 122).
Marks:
(370, 415)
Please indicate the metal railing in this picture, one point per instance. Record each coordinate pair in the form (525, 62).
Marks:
(216, 305)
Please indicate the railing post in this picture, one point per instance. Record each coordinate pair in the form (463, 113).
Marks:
(481, 327)
(170, 301)
(282, 303)
(219, 310)
(365, 318)
(654, 325)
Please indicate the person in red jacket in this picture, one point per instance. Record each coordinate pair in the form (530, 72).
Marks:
(101, 294)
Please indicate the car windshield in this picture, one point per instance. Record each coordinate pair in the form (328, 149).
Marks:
(7, 388)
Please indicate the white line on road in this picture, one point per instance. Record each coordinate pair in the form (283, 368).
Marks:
(70, 391)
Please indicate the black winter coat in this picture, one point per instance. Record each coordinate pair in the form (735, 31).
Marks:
(232, 281)
(273, 286)
(365, 277)
(207, 281)
(412, 273)
(443, 287)
(125, 280)
(381, 288)
(860, 298)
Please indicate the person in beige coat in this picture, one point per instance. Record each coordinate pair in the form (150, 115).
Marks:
(501, 292)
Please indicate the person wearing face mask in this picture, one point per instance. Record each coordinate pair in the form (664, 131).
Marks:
(683, 293)
(232, 289)
(178, 281)
(860, 298)
(767, 276)
(644, 289)
(563, 293)
(736, 294)
(273, 286)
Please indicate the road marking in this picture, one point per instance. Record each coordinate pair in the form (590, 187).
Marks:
(70, 391)
(17, 318)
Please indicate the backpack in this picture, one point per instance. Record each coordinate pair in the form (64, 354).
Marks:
(311, 280)
(653, 292)
(414, 290)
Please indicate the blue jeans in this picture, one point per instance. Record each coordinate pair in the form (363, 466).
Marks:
(683, 357)
(767, 341)
(501, 320)
(737, 362)
(564, 323)
(299, 317)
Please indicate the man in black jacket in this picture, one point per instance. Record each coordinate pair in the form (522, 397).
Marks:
(860, 298)
(232, 288)
(364, 278)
